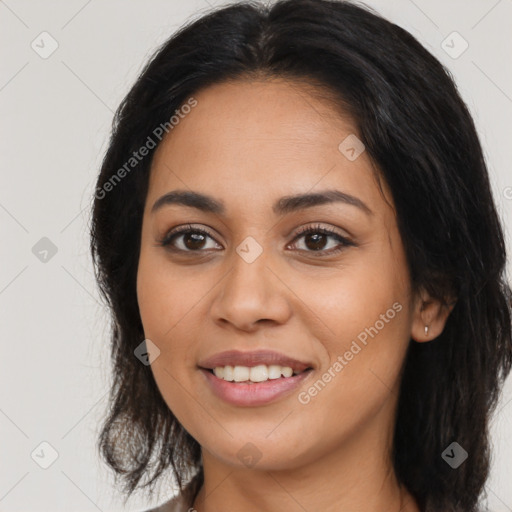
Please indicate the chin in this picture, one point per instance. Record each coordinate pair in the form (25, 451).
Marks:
(257, 452)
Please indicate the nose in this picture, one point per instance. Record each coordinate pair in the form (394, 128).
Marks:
(251, 294)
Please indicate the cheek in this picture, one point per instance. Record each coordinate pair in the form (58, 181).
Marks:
(166, 295)
(353, 299)
(163, 313)
(366, 314)
(168, 302)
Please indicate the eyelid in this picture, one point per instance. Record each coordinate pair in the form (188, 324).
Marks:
(183, 229)
(320, 228)
(343, 240)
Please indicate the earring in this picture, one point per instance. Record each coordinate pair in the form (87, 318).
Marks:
(426, 330)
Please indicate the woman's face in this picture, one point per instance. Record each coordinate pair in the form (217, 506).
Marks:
(340, 303)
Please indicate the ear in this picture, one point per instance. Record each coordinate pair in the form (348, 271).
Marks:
(430, 316)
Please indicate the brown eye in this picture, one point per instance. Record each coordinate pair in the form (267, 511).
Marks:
(193, 241)
(316, 239)
(188, 239)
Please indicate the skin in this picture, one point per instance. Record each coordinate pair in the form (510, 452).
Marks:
(247, 144)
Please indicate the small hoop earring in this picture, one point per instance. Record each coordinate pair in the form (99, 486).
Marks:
(426, 330)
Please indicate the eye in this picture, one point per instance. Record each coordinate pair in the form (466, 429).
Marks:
(193, 239)
(316, 239)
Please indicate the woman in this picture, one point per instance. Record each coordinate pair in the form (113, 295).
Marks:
(294, 230)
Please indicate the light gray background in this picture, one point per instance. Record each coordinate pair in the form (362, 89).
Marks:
(55, 121)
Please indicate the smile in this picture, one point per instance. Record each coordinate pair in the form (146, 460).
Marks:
(245, 392)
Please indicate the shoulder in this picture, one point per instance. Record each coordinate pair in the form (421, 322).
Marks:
(176, 504)
(183, 501)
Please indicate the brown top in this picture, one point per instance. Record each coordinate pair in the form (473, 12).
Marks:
(176, 504)
(179, 503)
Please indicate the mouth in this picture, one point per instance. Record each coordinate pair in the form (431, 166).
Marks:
(251, 375)
(253, 378)
(261, 359)
(252, 394)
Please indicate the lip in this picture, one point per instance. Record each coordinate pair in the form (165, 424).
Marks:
(258, 393)
(253, 358)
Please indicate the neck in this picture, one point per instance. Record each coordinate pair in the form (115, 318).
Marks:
(356, 476)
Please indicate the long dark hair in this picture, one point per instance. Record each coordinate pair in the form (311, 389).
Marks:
(423, 141)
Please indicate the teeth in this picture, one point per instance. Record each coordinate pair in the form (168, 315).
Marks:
(240, 373)
(228, 373)
(286, 371)
(274, 371)
(260, 373)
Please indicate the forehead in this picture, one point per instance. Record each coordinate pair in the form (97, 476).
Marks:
(246, 140)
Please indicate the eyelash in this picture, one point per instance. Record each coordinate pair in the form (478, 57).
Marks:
(343, 241)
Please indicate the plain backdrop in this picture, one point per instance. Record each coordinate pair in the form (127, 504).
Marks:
(56, 113)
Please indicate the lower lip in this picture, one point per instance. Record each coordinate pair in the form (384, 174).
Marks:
(256, 393)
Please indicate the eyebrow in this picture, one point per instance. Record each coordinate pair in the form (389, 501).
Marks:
(284, 205)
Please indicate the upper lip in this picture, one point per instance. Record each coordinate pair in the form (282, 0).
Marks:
(254, 358)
